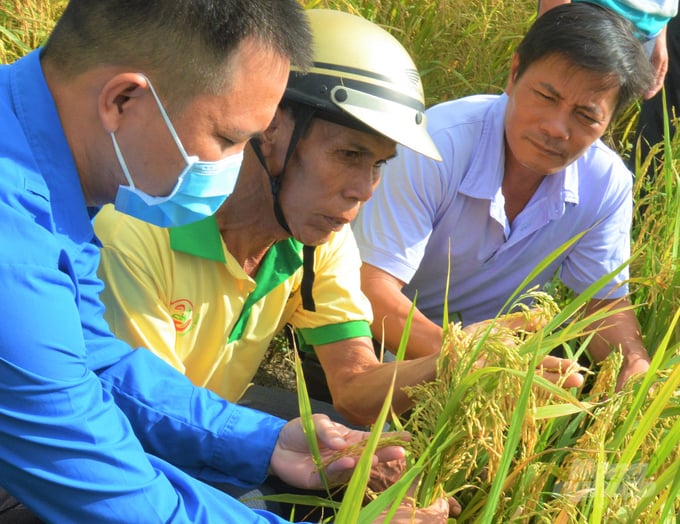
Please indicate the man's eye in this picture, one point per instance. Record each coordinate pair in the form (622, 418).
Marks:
(588, 119)
(351, 154)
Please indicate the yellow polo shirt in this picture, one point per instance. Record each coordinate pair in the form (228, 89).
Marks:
(180, 293)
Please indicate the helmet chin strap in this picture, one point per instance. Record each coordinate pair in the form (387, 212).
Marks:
(302, 116)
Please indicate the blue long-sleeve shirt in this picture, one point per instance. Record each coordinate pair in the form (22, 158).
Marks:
(90, 429)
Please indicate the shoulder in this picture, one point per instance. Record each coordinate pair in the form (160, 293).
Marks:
(125, 233)
(461, 126)
(602, 161)
(460, 112)
(603, 176)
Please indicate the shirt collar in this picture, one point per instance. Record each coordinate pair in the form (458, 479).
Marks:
(37, 114)
(485, 175)
(203, 239)
(200, 239)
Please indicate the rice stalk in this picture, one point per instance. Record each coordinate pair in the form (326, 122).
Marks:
(25, 25)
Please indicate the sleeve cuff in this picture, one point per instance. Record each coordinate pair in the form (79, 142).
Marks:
(249, 440)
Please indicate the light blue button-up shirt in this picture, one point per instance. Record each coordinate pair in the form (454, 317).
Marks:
(90, 430)
(425, 213)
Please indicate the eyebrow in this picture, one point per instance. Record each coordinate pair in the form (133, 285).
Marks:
(366, 151)
(592, 109)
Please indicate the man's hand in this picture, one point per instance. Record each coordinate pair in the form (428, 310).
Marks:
(659, 61)
(619, 331)
(630, 367)
(384, 474)
(437, 513)
(292, 460)
(561, 371)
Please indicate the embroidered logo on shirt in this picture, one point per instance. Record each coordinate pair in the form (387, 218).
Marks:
(182, 314)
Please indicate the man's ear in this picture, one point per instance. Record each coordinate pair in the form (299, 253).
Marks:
(272, 135)
(512, 77)
(118, 95)
(275, 139)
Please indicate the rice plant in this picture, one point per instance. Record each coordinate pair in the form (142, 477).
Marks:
(25, 24)
(513, 448)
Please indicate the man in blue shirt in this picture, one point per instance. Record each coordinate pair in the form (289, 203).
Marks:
(128, 101)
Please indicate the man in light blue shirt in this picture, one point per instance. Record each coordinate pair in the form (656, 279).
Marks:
(128, 101)
(462, 213)
(523, 173)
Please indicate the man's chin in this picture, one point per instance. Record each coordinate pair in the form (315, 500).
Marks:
(315, 240)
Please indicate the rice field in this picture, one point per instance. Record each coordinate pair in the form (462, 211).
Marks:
(508, 445)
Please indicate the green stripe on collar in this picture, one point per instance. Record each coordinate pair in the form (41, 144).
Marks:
(281, 261)
(200, 239)
(203, 239)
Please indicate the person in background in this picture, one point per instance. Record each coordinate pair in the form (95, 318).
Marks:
(210, 296)
(147, 104)
(523, 173)
(650, 126)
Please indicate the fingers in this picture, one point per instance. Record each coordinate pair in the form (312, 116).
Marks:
(631, 369)
(659, 60)
(656, 87)
(454, 507)
(341, 470)
(390, 453)
(551, 362)
(561, 371)
(333, 435)
(574, 380)
(436, 513)
(395, 450)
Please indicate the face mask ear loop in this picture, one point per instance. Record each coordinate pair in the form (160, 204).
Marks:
(167, 120)
(121, 161)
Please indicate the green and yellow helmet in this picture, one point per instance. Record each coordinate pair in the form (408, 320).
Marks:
(361, 74)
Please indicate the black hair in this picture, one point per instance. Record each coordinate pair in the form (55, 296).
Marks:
(182, 45)
(593, 38)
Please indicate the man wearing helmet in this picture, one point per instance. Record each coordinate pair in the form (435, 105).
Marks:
(209, 297)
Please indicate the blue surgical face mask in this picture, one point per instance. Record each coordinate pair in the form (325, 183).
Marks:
(200, 190)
